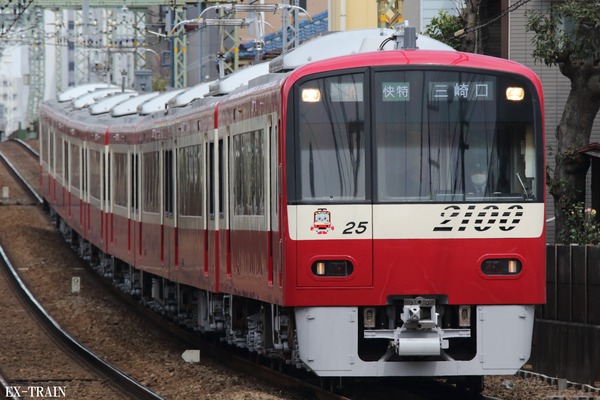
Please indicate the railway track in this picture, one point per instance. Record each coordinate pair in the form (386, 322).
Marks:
(23, 163)
(102, 371)
(53, 346)
(284, 386)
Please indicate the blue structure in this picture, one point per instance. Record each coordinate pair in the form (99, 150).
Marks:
(273, 41)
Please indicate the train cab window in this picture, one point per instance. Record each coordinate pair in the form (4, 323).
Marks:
(331, 139)
(454, 136)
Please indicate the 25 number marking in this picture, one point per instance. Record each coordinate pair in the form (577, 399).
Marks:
(355, 228)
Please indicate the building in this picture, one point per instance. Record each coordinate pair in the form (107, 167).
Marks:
(13, 99)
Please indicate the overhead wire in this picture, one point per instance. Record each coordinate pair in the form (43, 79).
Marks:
(462, 32)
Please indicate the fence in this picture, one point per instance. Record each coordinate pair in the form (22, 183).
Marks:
(567, 330)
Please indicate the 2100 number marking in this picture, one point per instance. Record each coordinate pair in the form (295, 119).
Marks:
(480, 219)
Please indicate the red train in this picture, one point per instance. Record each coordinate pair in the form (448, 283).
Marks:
(379, 214)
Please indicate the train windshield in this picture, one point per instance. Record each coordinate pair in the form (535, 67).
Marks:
(417, 136)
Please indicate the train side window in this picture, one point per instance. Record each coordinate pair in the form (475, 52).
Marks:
(107, 180)
(67, 169)
(134, 182)
(120, 189)
(75, 161)
(190, 181)
(84, 164)
(151, 169)
(220, 169)
(221, 179)
(51, 150)
(248, 173)
(168, 181)
(211, 179)
(59, 158)
(94, 168)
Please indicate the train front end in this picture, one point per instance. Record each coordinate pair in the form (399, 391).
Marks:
(414, 185)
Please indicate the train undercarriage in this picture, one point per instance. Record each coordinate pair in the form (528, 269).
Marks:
(411, 336)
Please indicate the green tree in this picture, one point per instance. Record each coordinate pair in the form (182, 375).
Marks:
(442, 28)
(445, 26)
(567, 35)
(159, 84)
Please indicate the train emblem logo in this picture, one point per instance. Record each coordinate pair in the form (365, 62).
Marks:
(322, 222)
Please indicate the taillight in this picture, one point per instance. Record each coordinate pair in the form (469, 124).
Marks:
(501, 266)
(332, 268)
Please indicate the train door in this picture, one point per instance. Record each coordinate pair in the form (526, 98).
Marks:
(67, 179)
(150, 250)
(51, 165)
(217, 208)
(275, 177)
(76, 183)
(107, 197)
(59, 177)
(133, 222)
(250, 230)
(169, 230)
(84, 203)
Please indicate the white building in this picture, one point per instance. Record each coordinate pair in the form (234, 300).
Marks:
(13, 92)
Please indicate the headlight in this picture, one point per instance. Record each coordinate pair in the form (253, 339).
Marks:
(310, 95)
(515, 93)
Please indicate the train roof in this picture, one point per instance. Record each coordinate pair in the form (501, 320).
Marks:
(104, 105)
(329, 46)
(238, 79)
(92, 97)
(130, 106)
(190, 94)
(74, 92)
(345, 43)
(159, 102)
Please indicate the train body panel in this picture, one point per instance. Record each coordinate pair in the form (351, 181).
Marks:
(330, 336)
(412, 249)
(378, 214)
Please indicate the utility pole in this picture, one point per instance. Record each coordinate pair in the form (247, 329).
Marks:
(36, 65)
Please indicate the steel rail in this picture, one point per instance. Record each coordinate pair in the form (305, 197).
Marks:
(22, 179)
(118, 379)
(121, 381)
(27, 146)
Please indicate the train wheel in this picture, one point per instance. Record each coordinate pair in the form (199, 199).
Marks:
(332, 384)
(474, 384)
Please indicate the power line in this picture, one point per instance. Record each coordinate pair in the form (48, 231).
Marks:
(18, 11)
(462, 32)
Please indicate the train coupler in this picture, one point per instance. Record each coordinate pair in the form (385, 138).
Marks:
(420, 333)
